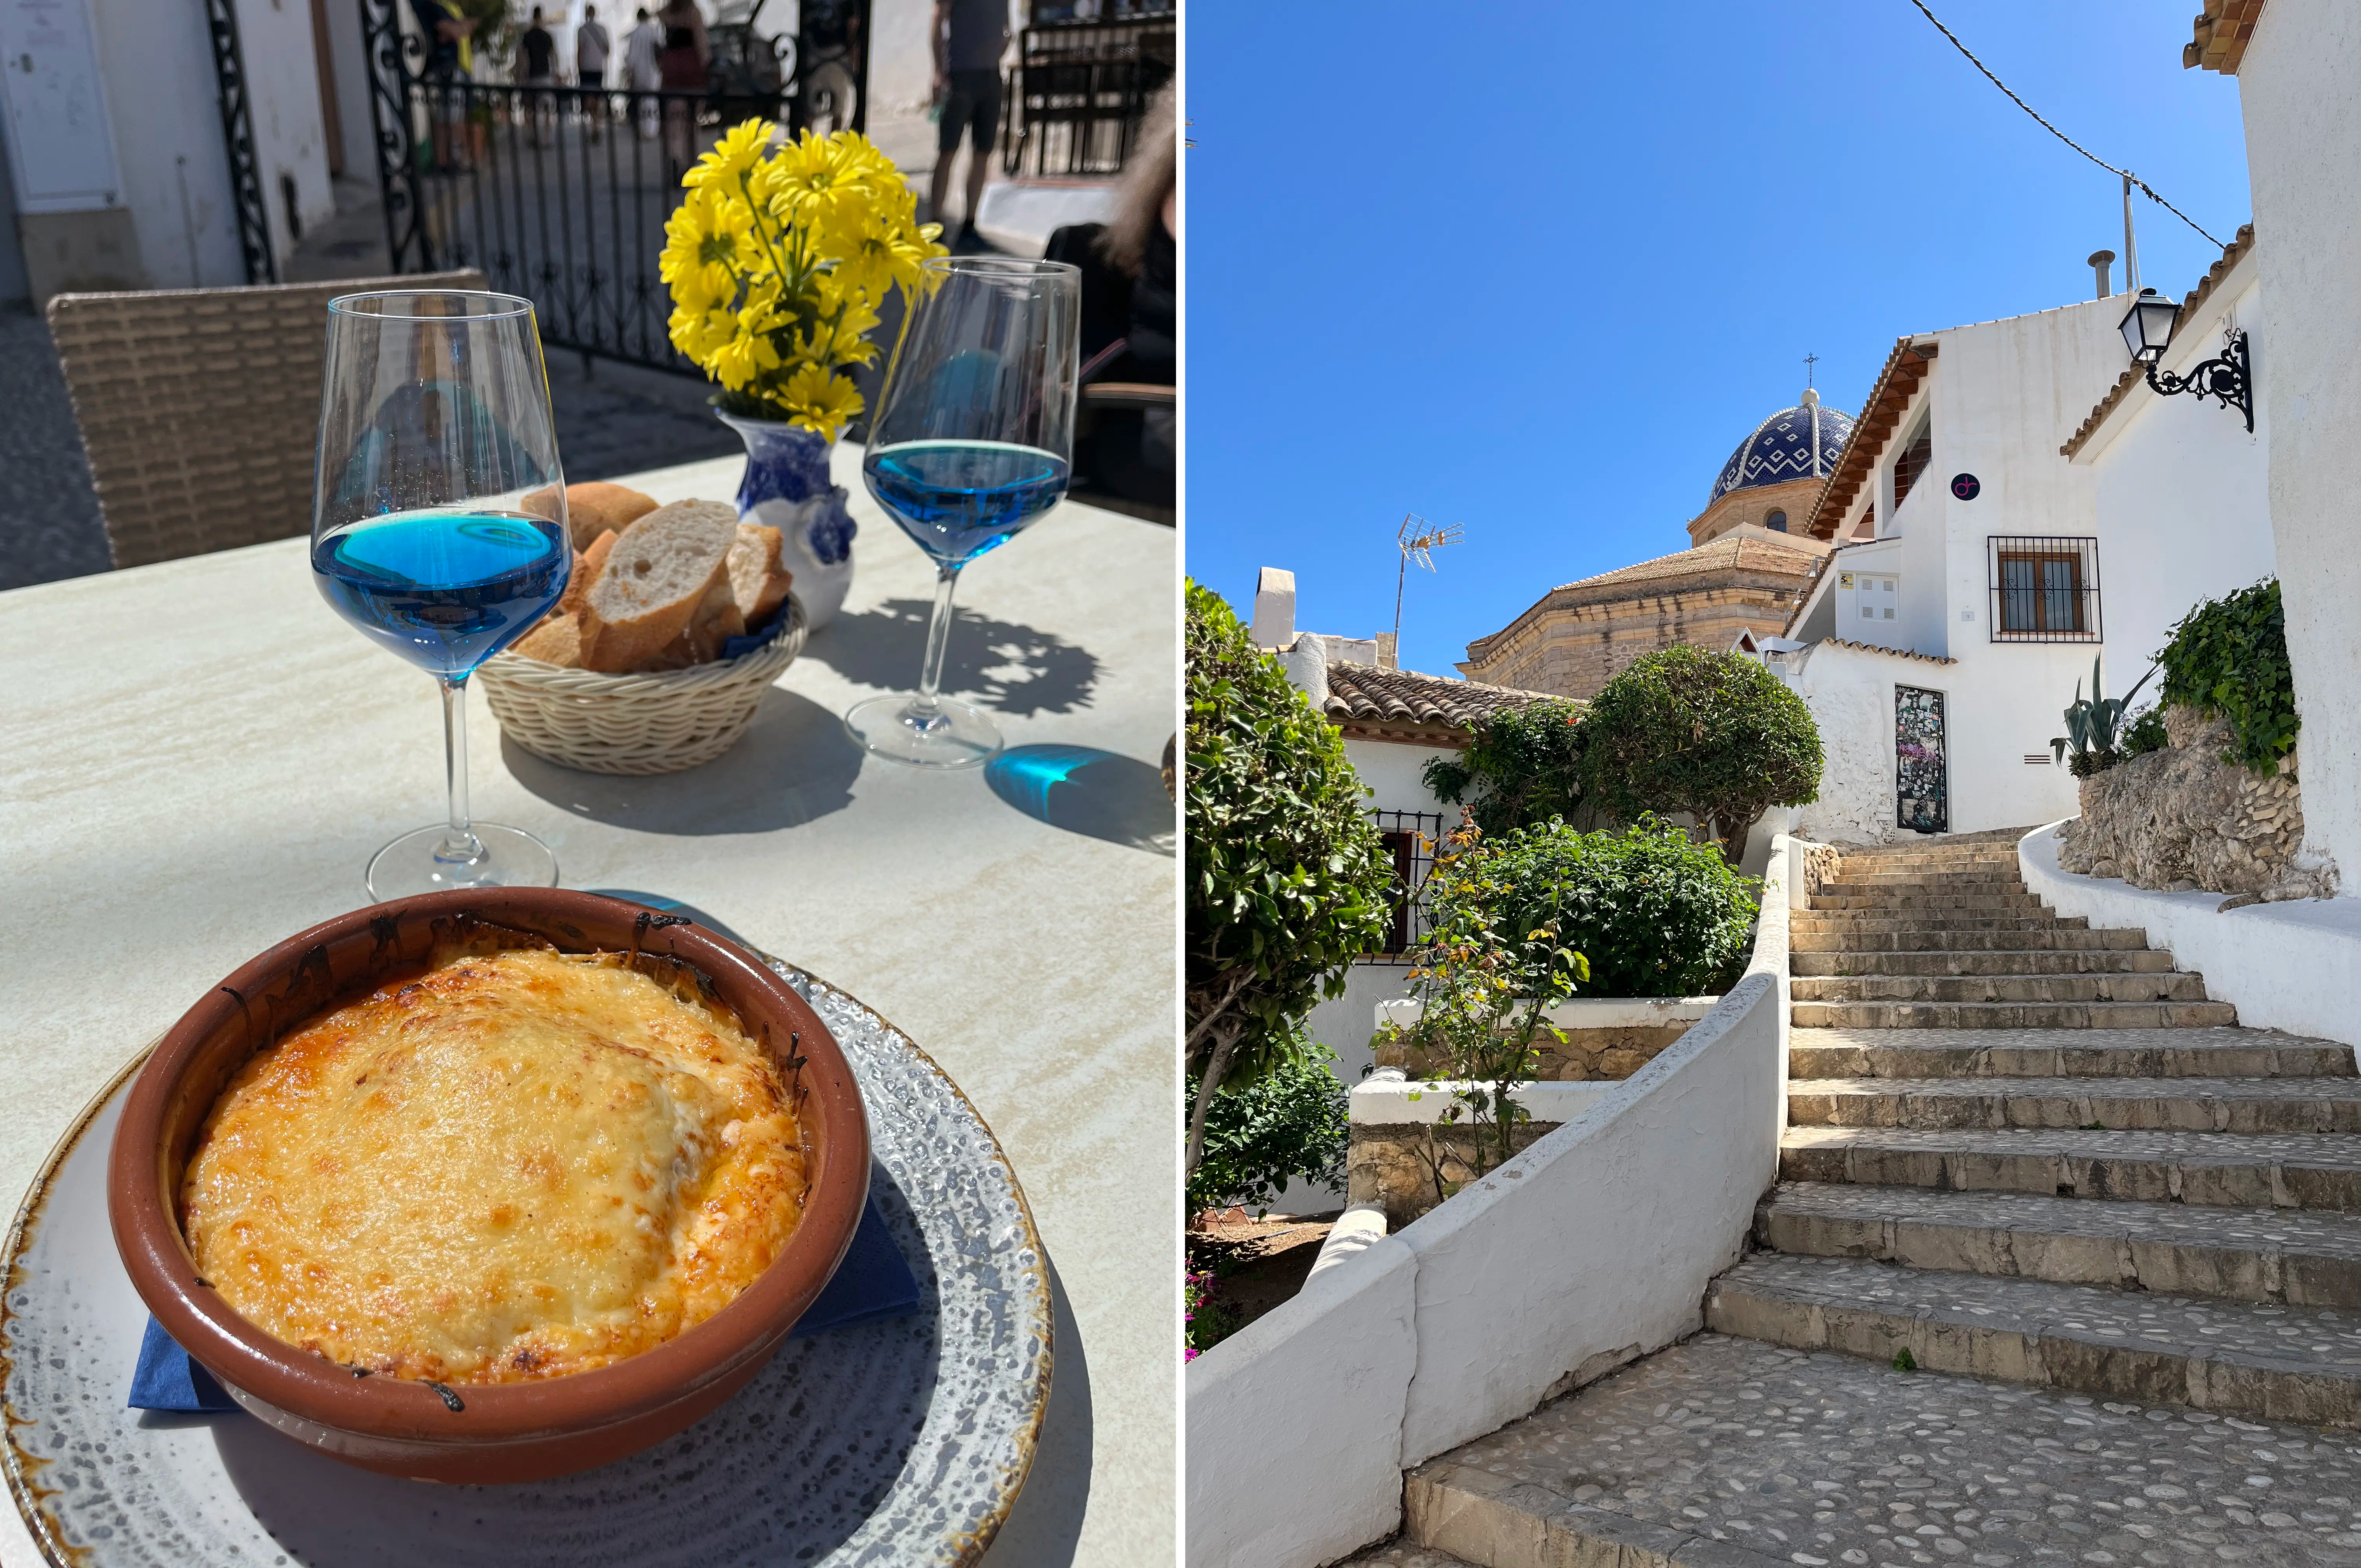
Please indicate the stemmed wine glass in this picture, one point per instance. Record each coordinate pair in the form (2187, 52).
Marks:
(434, 425)
(972, 440)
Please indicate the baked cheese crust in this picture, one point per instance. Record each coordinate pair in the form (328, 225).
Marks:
(516, 1165)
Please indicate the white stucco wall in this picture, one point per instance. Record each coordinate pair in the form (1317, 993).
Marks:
(162, 100)
(289, 137)
(2303, 159)
(2184, 491)
(1591, 1246)
(2294, 966)
(1389, 770)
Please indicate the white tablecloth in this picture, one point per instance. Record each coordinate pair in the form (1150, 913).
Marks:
(198, 758)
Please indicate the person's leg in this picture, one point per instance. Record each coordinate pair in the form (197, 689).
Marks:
(947, 141)
(983, 126)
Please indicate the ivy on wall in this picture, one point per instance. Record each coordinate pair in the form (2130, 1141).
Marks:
(2228, 659)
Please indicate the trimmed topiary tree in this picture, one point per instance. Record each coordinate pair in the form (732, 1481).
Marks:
(1521, 766)
(1713, 735)
(1289, 1123)
(1287, 880)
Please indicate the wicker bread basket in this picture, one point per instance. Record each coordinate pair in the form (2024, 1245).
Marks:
(658, 723)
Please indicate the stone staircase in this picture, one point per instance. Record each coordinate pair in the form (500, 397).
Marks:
(2062, 1267)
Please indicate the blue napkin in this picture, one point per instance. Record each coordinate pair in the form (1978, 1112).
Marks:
(872, 1284)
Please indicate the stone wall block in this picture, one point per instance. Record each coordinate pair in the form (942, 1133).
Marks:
(2184, 818)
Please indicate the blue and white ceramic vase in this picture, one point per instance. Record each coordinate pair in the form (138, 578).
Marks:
(786, 488)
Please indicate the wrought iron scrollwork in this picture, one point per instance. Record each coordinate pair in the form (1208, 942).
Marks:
(237, 134)
(393, 109)
(2225, 378)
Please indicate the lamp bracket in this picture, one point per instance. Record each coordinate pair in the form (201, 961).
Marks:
(2225, 378)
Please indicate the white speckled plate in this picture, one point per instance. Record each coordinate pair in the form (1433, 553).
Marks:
(902, 1442)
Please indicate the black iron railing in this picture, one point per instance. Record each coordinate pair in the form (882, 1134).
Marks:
(1410, 838)
(2044, 589)
(1080, 91)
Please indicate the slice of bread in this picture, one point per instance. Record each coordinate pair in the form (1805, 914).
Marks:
(656, 577)
(557, 640)
(758, 581)
(591, 509)
(587, 567)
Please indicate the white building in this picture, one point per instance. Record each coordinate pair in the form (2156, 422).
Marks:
(1945, 635)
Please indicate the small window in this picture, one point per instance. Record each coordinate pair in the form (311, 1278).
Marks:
(2045, 590)
(1914, 461)
(1776, 523)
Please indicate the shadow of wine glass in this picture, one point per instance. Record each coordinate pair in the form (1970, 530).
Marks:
(1084, 790)
(1008, 668)
(783, 1472)
(794, 764)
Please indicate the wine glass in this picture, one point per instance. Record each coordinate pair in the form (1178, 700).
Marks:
(434, 425)
(972, 441)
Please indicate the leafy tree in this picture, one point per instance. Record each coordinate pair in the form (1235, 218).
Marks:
(1654, 912)
(1259, 1136)
(1523, 765)
(2228, 658)
(1713, 735)
(1287, 882)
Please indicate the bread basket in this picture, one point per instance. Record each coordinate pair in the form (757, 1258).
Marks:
(657, 723)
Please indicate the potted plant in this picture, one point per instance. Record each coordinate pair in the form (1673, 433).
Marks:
(778, 260)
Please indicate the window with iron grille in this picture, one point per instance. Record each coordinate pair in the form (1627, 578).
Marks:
(2044, 590)
(1410, 839)
(1914, 461)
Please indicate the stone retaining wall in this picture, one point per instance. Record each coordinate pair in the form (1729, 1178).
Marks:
(2183, 820)
(1585, 1056)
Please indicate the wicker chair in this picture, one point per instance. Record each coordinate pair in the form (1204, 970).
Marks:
(200, 408)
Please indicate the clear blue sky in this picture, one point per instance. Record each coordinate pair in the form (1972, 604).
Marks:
(1536, 269)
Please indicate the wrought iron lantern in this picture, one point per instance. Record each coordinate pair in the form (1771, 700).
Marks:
(2148, 330)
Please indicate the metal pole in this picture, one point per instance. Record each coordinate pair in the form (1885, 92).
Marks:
(2131, 250)
(1401, 571)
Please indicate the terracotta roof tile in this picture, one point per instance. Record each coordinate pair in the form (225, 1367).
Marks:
(2220, 34)
(1881, 414)
(2133, 376)
(1403, 696)
(1897, 652)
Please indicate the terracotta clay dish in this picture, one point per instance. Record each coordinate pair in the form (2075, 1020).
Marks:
(905, 1441)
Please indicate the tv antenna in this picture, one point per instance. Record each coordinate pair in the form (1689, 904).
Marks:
(1416, 539)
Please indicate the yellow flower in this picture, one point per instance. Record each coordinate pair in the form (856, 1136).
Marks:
(734, 155)
(744, 357)
(819, 400)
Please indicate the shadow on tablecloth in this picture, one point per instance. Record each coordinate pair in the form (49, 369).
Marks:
(794, 764)
(998, 665)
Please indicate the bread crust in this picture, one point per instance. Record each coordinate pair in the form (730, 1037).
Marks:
(592, 509)
(759, 579)
(684, 550)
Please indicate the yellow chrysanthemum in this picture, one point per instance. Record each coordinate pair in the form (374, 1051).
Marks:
(734, 155)
(819, 400)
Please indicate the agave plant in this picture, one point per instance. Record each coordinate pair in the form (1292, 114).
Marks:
(2091, 724)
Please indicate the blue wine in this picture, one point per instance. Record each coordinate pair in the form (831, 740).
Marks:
(960, 499)
(444, 589)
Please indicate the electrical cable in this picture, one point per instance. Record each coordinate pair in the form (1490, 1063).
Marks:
(2145, 189)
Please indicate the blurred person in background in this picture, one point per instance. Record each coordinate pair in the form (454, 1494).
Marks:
(969, 37)
(643, 69)
(682, 64)
(536, 66)
(590, 69)
(1130, 308)
(450, 33)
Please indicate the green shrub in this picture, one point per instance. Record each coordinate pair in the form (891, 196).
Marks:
(2228, 659)
(1654, 912)
(1288, 1122)
(1521, 765)
(1287, 881)
(1713, 735)
(2145, 734)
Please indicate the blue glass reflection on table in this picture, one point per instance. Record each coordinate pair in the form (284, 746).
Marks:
(959, 498)
(444, 589)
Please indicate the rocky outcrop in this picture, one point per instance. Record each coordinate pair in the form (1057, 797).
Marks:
(2183, 819)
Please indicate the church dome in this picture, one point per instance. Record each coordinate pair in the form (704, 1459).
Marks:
(1801, 442)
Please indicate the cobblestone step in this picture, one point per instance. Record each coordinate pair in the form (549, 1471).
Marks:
(2011, 1014)
(2247, 1255)
(2063, 1053)
(2171, 986)
(2063, 936)
(2235, 1358)
(1402, 1554)
(1723, 1453)
(2288, 1171)
(1922, 898)
(1961, 876)
(2030, 960)
(1866, 921)
(2165, 1104)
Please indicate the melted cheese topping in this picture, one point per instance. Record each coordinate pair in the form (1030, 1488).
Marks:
(516, 1165)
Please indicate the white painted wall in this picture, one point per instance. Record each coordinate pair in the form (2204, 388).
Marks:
(158, 65)
(1592, 1246)
(2303, 160)
(2184, 491)
(1390, 772)
(291, 139)
(2294, 966)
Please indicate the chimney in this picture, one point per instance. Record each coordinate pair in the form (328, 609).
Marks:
(1274, 608)
(1387, 659)
(2099, 263)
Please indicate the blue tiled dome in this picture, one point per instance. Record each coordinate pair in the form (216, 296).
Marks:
(1801, 442)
